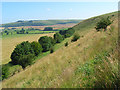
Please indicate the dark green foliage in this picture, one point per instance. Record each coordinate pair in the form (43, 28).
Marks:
(20, 21)
(36, 47)
(75, 38)
(5, 73)
(27, 32)
(66, 44)
(13, 28)
(58, 38)
(17, 32)
(51, 50)
(23, 54)
(67, 33)
(9, 70)
(7, 33)
(22, 31)
(103, 23)
(48, 29)
(46, 43)
(52, 41)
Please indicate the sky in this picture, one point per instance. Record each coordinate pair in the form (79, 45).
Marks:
(14, 11)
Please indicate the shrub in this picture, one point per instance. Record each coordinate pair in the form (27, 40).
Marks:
(23, 54)
(5, 73)
(51, 50)
(75, 37)
(46, 43)
(9, 70)
(103, 23)
(52, 41)
(58, 38)
(67, 33)
(27, 32)
(66, 44)
(36, 47)
(48, 29)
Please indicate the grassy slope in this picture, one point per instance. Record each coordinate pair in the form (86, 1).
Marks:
(61, 69)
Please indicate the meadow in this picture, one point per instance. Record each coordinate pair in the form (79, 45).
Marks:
(90, 62)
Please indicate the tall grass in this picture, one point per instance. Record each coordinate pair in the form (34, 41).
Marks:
(90, 62)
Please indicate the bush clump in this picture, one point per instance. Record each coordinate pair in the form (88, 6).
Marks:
(46, 43)
(103, 24)
(9, 70)
(53, 42)
(67, 33)
(48, 29)
(51, 50)
(36, 47)
(75, 38)
(58, 38)
(66, 44)
(23, 54)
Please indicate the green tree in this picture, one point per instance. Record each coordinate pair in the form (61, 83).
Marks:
(52, 41)
(48, 29)
(23, 54)
(5, 73)
(67, 33)
(27, 32)
(45, 41)
(103, 24)
(75, 37)
(52, 50)
(7, 33)
(36, 47)
(66, 44)
(58, 37)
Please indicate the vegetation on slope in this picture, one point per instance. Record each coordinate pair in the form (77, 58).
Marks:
(25, 52)
(86, 63)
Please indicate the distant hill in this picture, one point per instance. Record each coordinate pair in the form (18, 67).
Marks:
(39, 23)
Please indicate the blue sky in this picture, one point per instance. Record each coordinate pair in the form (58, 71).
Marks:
(13, 11)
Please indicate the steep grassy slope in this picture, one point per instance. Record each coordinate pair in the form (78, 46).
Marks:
(39, 23)
(86, 63)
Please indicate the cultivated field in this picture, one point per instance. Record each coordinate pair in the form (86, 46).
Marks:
(58, 26)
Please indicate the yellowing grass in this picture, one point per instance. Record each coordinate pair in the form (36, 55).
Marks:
(9, 43)
(57, 69)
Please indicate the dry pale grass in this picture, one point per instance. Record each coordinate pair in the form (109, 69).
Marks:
(57, 68)
(8, 44)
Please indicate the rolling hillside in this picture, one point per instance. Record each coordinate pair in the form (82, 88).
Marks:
(39, 23)
(90, 62)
